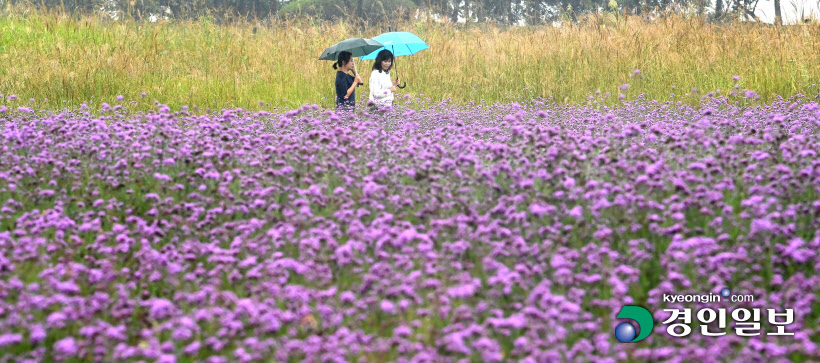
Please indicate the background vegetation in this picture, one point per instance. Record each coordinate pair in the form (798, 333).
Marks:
(60, 60)
(368, 12)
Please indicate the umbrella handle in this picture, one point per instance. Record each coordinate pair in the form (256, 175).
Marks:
(356, 73)
(404, 84)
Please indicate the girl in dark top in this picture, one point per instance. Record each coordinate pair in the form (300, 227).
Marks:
(345, 83)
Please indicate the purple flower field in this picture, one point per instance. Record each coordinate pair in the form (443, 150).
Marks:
(452, 233)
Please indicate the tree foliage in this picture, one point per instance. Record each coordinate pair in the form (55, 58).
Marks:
(530, 12)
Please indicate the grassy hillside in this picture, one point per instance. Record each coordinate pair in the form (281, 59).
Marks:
(67, 61)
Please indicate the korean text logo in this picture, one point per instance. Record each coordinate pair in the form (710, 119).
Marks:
(747, 321)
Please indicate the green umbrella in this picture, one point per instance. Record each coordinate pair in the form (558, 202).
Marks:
(356, 46)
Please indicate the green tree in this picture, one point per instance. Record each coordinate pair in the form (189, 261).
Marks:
(369, 11)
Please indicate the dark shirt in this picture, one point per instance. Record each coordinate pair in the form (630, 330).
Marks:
(343, 83)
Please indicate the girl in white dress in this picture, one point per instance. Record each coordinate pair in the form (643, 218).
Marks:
(381, 87)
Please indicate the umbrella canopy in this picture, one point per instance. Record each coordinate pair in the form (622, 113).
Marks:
(356, 46)
(400, 43)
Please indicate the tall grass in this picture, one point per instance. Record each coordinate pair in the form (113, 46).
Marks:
(65, 60)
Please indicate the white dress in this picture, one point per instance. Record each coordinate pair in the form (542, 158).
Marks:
(380, 84)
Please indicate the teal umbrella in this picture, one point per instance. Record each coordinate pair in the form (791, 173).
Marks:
(399, 43)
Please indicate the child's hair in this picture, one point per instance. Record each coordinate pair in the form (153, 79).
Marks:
(383, 56)
(343, 58)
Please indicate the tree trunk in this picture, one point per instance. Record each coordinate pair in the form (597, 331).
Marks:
(778, 20)
(702, 7)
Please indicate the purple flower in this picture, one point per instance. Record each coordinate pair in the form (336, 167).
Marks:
(66, 346)
(540, 209)
(160, 309)
(162, 177)
(37, 334)
(388, 307)
(10, 339)
(576, 212)
(192, 349)
(762, 225)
